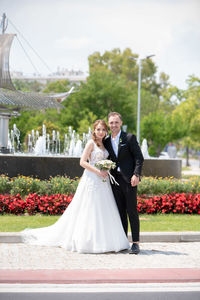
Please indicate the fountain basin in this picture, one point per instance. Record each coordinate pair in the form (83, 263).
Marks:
(158, 167)
(43, 167)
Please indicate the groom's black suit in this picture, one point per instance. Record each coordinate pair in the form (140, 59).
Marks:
(129, 160)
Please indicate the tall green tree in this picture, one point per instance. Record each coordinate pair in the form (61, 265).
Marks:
(58, 86)
(156, 128)
(189, 110)
(28, 85)
(186, 116)
(103, 92)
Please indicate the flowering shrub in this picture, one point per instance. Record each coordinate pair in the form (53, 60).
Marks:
(170, 203)
(33, 203)
(25, 185)
(56, 204)
(64, 185)
(48, 205)
(12, 204)
(168, 185)
(4, 184)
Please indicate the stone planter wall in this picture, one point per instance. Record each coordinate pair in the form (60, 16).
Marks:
(45, 166)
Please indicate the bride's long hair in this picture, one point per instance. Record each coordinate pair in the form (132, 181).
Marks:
(96, 123)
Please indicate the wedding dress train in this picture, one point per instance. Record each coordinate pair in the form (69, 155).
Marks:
(91, 223)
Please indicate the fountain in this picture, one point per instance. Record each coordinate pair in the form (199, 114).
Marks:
(144, 149)
(45, 155)
(40, 146)
(48, 144)
(162, 166)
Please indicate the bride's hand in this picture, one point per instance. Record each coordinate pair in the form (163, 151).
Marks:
(103, 174)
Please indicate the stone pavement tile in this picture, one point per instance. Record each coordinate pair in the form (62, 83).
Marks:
(177, 275)
(152, 255)
(157, 262)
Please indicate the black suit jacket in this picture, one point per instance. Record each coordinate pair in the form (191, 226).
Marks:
(129, 159)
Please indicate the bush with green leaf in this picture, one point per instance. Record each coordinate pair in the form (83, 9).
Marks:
(4, 184)
(24, 185)
(156, 186)
(64, 185)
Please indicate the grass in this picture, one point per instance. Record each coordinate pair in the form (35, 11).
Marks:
(12, 223)
(191, 177)
(150, 223)
(170, 222)
(186, 168)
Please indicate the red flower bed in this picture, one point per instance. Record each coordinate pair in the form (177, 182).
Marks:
(48, 205)
(33, 203)
(10, 204)
(170, 203)
(56, 204)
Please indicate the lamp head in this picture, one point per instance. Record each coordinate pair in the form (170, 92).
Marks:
(149, 56)
(132, 57)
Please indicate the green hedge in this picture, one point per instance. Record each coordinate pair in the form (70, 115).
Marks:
(64, 185)
(156, 186)
(25, 185)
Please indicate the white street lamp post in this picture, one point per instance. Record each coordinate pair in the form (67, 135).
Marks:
(139, 91)
(138, 106)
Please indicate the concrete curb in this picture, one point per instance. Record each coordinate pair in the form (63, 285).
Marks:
(145, 237)
(171, 237)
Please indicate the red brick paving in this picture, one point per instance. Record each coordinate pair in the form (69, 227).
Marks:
(101, 276)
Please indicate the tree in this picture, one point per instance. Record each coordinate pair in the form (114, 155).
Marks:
(157, 130)
(186, 116)
(58, 86)
(189, 111)
(86, 122)
(28, 86)
(103, 92)
(120, 63)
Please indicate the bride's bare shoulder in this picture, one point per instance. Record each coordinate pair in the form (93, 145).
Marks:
(90, 144)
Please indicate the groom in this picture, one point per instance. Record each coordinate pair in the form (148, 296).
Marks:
(124, 150)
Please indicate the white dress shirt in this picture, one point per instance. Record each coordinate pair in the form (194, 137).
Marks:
(115, 143)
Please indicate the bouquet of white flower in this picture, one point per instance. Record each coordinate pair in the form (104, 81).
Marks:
(107, 165)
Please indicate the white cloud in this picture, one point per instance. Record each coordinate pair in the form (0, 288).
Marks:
(67, 32)
(72, 43)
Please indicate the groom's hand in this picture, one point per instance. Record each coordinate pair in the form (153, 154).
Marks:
(134, 180)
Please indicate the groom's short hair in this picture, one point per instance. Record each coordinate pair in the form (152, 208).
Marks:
(114, 113)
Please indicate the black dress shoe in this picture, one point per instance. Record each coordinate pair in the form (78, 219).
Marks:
(135, 249)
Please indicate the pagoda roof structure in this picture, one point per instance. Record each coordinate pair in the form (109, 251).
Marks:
(13, 99)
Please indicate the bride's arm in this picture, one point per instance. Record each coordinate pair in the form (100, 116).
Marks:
(85, 156)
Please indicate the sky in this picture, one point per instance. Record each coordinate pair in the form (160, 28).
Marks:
(65, 32)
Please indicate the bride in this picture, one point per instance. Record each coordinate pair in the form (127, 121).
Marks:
(91, 223)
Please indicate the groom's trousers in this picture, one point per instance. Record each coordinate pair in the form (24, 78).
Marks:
(126, 199)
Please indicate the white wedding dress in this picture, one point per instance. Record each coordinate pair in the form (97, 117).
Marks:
(91, 223)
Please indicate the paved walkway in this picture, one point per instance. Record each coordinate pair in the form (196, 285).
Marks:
(174, 275)
(152, 255)
(194, 168)
(157, 262)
